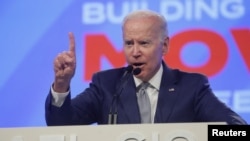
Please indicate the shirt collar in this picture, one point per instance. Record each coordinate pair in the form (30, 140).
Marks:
(155, 81)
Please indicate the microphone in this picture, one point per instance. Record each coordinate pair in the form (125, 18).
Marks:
(128, 70)
(112, 117)
(136, 71)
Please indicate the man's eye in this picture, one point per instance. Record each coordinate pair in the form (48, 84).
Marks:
(128, 43)
(144, 43)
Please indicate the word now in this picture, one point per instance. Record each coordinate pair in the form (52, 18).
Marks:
(98, 46)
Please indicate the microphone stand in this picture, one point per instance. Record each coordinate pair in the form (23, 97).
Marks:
(112, 117)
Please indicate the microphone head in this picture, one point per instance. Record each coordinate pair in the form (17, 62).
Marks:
(136, 71)
(129, 68)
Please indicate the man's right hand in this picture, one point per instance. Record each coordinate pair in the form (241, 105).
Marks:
(64, 67)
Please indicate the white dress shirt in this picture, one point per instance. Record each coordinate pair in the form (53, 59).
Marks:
(152, 90)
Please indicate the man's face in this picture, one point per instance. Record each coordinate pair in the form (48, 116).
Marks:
(144, 46)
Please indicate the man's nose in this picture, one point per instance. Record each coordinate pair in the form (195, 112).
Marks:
(136, 51)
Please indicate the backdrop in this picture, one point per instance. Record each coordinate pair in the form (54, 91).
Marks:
(207, 36)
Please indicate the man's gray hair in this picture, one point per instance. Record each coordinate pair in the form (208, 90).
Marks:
(148, 13)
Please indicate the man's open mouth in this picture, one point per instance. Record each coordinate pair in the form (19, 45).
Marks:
(138, 64)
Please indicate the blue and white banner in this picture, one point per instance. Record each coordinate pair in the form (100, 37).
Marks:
(207, 36)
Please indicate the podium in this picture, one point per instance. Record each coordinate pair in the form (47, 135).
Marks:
(120, 132)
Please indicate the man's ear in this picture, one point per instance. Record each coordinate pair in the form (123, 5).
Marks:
(165, 46)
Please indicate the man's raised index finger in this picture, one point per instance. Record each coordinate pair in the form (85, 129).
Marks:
(71, 43)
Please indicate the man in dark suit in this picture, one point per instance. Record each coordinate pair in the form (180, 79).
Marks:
(112, 96)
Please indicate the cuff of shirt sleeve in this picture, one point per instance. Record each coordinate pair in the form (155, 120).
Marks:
(58, 98)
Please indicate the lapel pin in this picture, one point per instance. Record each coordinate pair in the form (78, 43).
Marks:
(171, 89)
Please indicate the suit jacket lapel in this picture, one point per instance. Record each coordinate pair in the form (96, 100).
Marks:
(167, 95)
(128, 102)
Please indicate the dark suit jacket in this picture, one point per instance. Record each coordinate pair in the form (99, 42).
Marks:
(183, 97)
